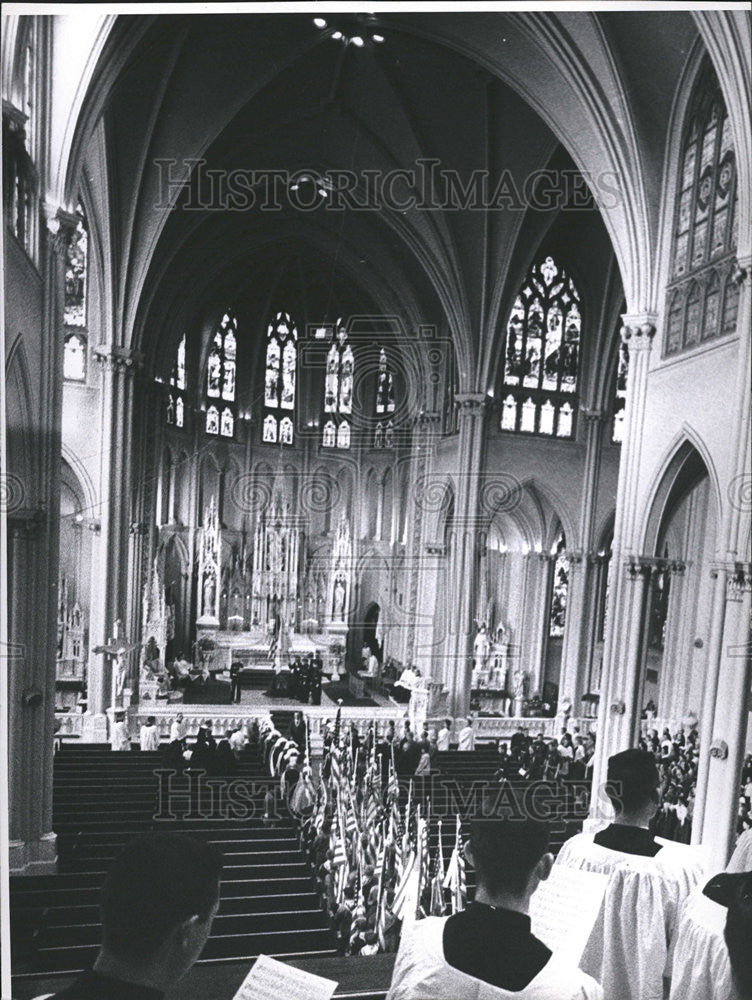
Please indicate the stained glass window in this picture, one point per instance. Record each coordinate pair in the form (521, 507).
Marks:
(221, 377)
(176, 390)
(620, 395)
(385, 401)
(74, 310)
(338, 389)
(558, 615)
(705, 225)
(280, 378)
(542, 354)
(74, 358)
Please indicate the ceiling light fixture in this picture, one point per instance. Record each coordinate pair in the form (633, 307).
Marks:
(378, 39)
(357, 41)
(319, 22)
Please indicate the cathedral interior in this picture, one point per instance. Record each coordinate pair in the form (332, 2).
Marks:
(421, 332)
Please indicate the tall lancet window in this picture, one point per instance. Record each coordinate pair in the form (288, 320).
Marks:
(620, 395)
(279, 379)
(558, 614)
(74, 308)
(383, 435)
(702, 297)
(542, 354)
(221, 374)
(176, 389)
(338, 390)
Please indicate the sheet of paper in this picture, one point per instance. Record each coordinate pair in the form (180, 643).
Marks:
(564, 908)
(271, 980)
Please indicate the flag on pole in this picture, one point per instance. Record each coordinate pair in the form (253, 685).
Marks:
(455, 879)
(438, 903)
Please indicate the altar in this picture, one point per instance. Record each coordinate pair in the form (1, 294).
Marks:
(256, 649)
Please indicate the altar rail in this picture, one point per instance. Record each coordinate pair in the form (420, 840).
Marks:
(504, 727)
(220, 719)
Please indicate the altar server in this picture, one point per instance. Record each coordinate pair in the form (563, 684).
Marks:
(488, 951)
(630, 947)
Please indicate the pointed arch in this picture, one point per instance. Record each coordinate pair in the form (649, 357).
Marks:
(686, 460)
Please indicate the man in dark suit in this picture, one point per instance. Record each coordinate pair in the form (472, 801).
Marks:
(317, 673)
(235, 669)
(157, 905)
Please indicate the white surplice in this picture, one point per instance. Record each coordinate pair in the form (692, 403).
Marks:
(701, 968)
(630, 947)
(422, 973)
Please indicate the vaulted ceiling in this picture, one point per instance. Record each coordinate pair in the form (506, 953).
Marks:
(507, 94)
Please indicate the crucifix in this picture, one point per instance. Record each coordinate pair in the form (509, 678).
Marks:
(116, 650)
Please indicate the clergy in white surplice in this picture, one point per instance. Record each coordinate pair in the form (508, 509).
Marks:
(630, 948)
(488, 951)
(701, 966)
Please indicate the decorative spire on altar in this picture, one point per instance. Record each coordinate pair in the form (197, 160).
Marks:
(340, 577)
(209, 568)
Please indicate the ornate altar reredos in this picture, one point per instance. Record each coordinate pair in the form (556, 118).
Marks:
(158, 627)
(276, 554)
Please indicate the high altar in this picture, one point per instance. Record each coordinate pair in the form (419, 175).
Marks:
(262, 607)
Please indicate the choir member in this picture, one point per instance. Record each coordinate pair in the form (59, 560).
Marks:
(489, 951)
(630, 947)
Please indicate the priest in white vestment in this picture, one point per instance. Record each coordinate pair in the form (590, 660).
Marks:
(488, 951)
(701, 966)
(630, 948)
(466, 737)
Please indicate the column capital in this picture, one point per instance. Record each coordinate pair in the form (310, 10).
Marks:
(638, 330)
(594, 416)
(471, 404)
(648, 566)
(742, 269)
(61, 225)
(117, 359)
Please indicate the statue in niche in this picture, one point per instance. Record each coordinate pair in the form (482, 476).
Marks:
(481, 648)
(210, 592)
(339, 599)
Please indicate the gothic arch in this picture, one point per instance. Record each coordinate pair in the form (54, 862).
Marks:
(686, 463)
(79, 470)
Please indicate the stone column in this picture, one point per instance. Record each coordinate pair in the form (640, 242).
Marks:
(579, 636)
(723, 755)
(537, 607)
(34, 551)
(109, 570)
(619, 709)
(463, 571)
(422, 584)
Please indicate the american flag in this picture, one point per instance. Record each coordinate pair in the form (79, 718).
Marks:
(438, 903)
(455, 879)
(424, 859)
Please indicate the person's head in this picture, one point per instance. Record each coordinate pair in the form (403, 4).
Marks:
(180, 717)
(151, 721)
(632, 783)
(510, 857)
(447, 723)
(157, 906)
(296, 718)
(734, 891)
